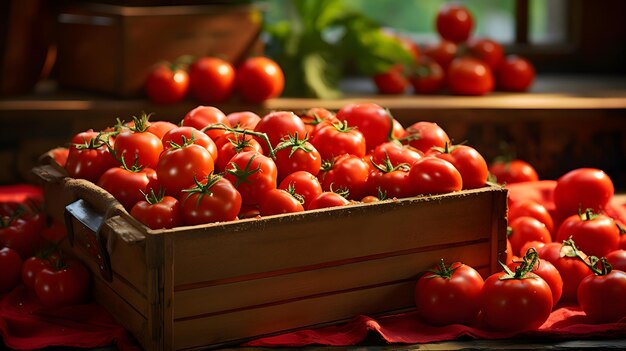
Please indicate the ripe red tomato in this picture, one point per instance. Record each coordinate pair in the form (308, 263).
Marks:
(253, 174)
(214, 199)
(243, 119)
(426, 135)
(393, 81)
(345, 172)
(159, 128)
(158, 211)
(211, 80)
(487, 50)
(313, 117)
(279, 201)
(533, 209)
(32, 266)
(128, 185)
(594, 234)
(428, 77)
(568, 261)
(20, 231)
(232, 144)
(432, 175)
(545, 270)
(203, 117)
(327, 199)
(524, 229)
(469, 76)
(11, 264)
(180, 166)
(138, 147)
(304, 184)
(392, 181)
(617, 259)
(469, 162)
(582, 188)
(277, 125)
(513, 171)
(516, 301)
(454, 22)
(443, 52)
(449, 295)
(185, 134)
(601, 295)
(167, 84)
(337, 139)
(534, 244)
(515, 74)
(396, 153)
(63, 285)
(296, 154)
(375, 122)
(259, 79)
(89, 160)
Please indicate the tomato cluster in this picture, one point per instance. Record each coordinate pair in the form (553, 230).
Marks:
(213, 80)
(214, 167)
(462, 64)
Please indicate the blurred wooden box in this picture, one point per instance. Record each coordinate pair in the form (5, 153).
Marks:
(111, 49)
(223, 283)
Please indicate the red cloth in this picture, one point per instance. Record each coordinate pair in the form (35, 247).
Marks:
(25, 324)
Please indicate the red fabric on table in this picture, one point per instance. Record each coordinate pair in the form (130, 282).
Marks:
(25, 324)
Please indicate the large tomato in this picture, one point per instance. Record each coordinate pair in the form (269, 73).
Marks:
(432, 175)
(64, 284)
(167, 84)
(302, 183)
(243, 119)
(582, 188)
(128, 185)
(279, 201)
(513, 171)
(296, 154)
(454, 22)
(214, 199)
(278, 125)
(443, 52)
(35, 264)
(426, 135)
(206, 117)
(259, 79)
(181, 165)
(136, 147)
(449, 295)
(11, 264)
(340, 138)
(178, 136)
(232, 144)
(594, 234)
(524, 229)
(469, 162)
(211, 79)
(568, 260)
(313, 117)
(601, 295)
(515, 74)
(396, 153)
(159, 128)
(545, 270)
(253, 174)
(89, 160)
(392, 181)
(487, 50)
(533, 209)
(373, 121)
(345, 172)
(469, 76)
(158, 211)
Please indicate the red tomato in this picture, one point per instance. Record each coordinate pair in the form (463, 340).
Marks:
(279, 201)
(243, 119)
(581, 189)
(515, 74)
(601, 295)
(426, 135)
(524, 229)
(392, 181)
(469, 76)
(295, 154)
(487, 50)
(393, 81)
(232, 144)
(214, 199)
(443, 52)
(432, 175)
(33, 265)
(21, 232)
(158, 211)
(138, 147)
(253, 174)
(449, 295)
(516, 301)
(89, 160)
(65, 285)
(203, 117)
(533, 209)
(159, 128)
(568, 261)
(128, 185)
(594, 234)
(11, 264)
(313, 117)
(184, 134)
(469, 162)
(428, 76)
(181, 166)
(259, 79)
(327, 199)
(545, 270)
(277, 125)
(454, 22)
(211, 80)
(617, 259)
(375, 122)
(513, 171)
(345, 172)
(396, 153)
(167, 85)
(304, 184)
(537, 245)
(337, 139)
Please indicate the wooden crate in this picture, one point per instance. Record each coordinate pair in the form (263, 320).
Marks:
(223, 283)
(112, 49)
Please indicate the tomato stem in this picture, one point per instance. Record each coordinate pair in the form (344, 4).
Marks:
(222, 126)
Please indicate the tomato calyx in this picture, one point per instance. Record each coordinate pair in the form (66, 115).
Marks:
(621, 228)
(587, 215)
(239, 142)
(202, 189)
(141, 123)
(342, 126)
(569, 249)
(447, 149)
(599, 266)
(327, 165)
(222, 126)
(342, 191)
(442, 271)
(94, 143)
(381, 194)
(291, 189)
(153, 198)
(294, 143)
(388, 167)
(7, 221)
(242, 175)
(185, 142)
(530, 259)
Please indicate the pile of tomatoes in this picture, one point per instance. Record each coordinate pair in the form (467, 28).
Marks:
(28, 255)
(210, 80)
(214, 167)
(572, 253)
(462, 64)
